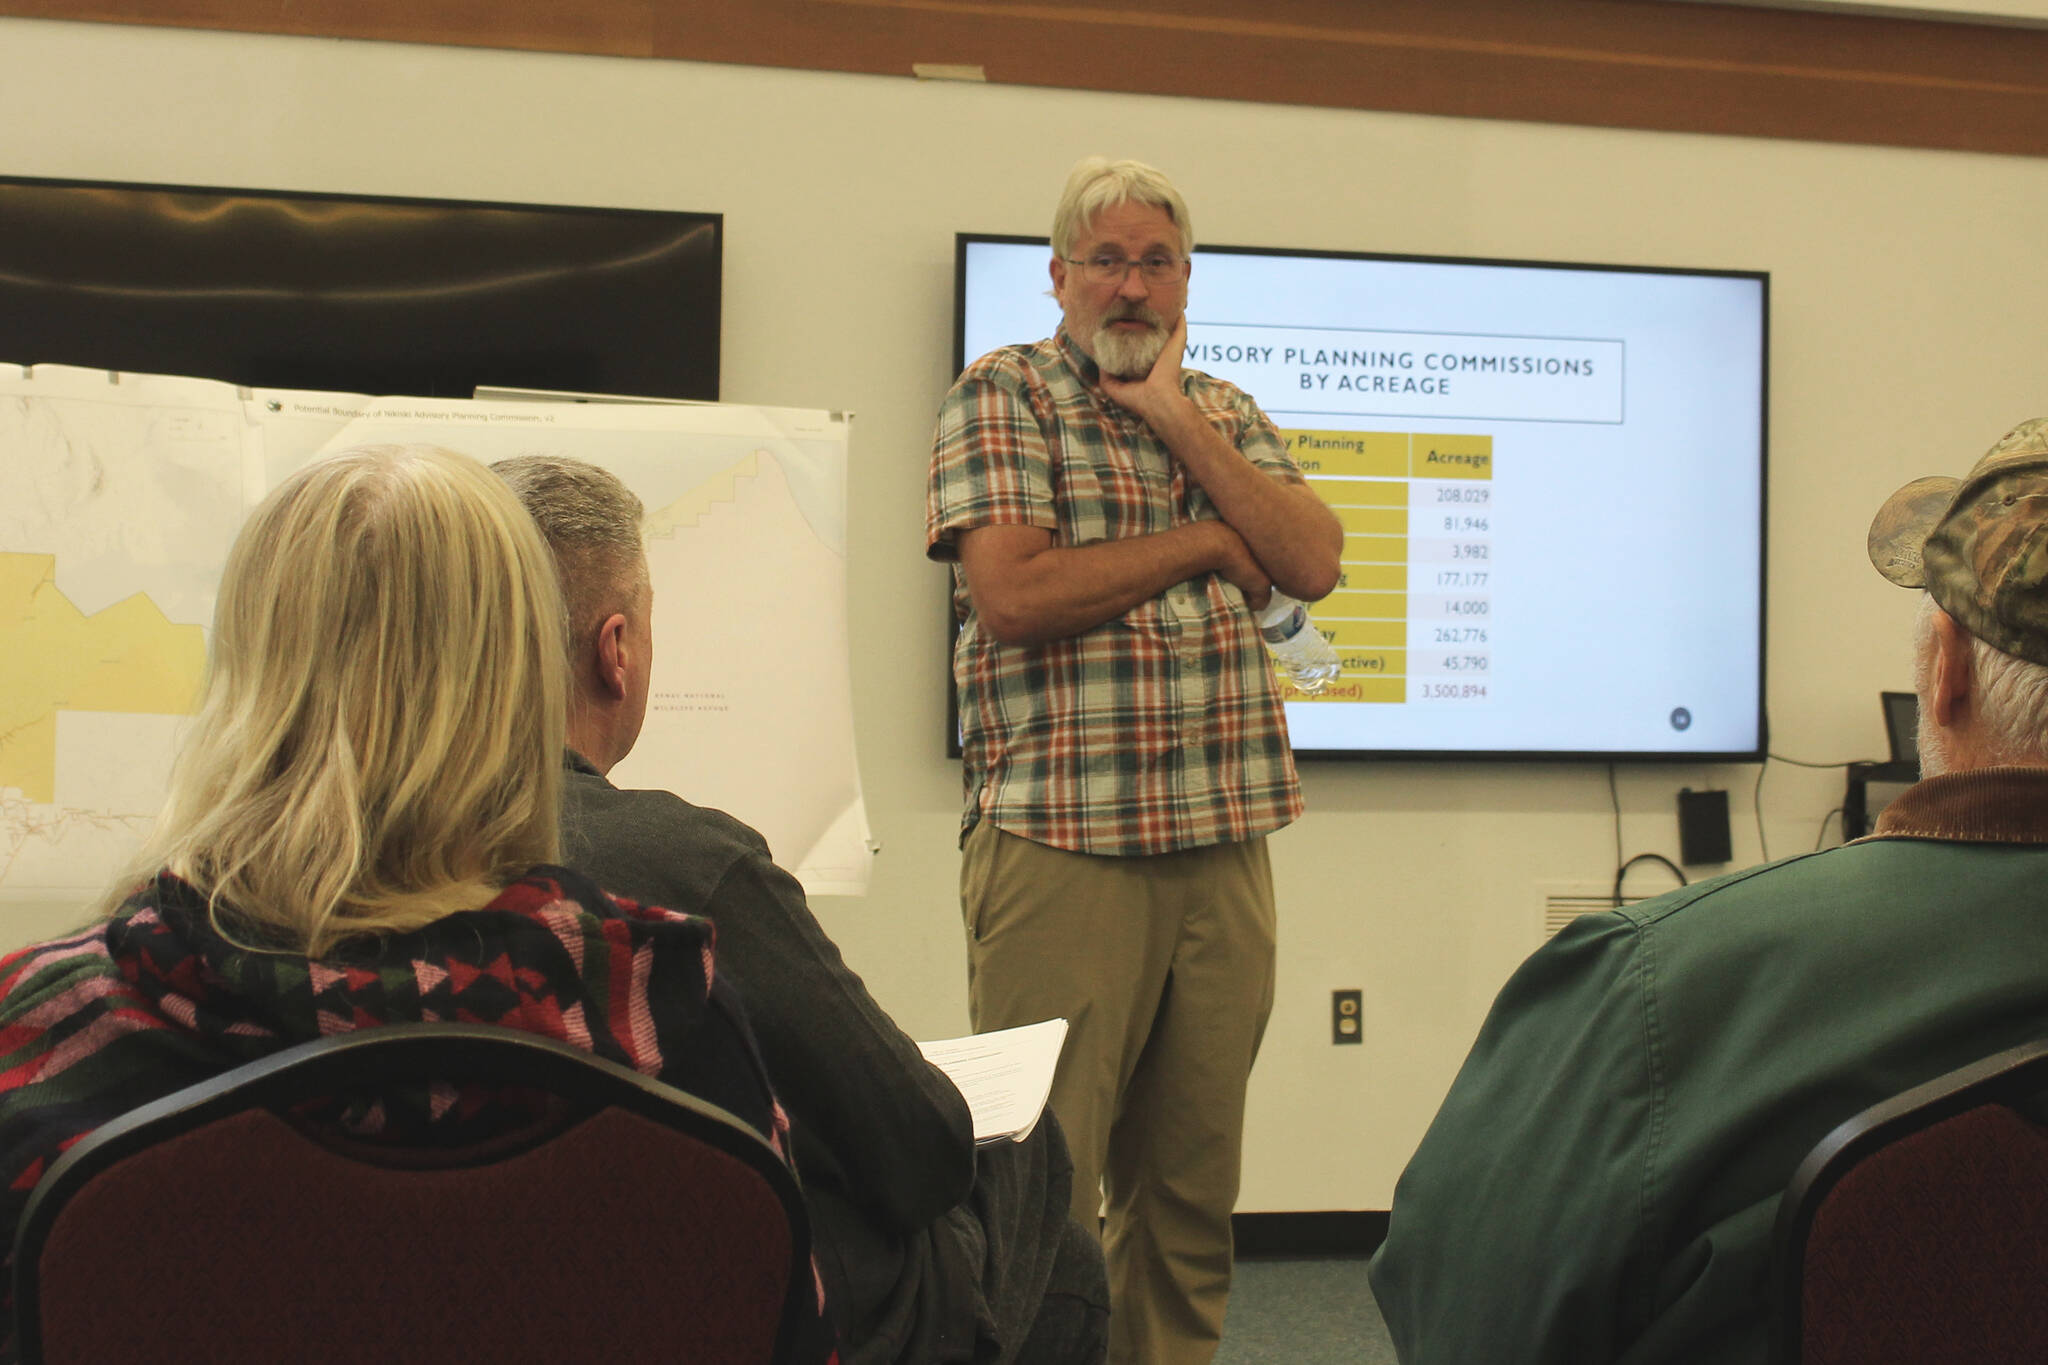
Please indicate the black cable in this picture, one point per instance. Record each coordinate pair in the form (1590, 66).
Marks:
(1622, 871)
(1757, 796)
(1756, 793)
(1802, 763)
(1822, 837)
(1756, 804)
(1614, 793)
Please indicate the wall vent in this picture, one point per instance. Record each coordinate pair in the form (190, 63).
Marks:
(1563, 904)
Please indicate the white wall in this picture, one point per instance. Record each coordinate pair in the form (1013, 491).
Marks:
(1909, 292)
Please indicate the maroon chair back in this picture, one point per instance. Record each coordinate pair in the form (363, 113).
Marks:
(649, 1226)
(1918, 1231)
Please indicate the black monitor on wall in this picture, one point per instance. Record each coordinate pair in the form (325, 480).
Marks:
(1551, 478)
(355, 294)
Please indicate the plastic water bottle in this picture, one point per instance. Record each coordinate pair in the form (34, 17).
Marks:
(1297, 646)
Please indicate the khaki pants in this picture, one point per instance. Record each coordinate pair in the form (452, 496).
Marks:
(1163, 968)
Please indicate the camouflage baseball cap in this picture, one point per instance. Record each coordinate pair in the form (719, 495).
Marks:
(1978, 544)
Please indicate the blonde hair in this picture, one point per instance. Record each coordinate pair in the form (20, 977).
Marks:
(1097, 183)
(380, 740)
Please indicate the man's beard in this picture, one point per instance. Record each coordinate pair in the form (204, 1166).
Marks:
(1129, 355)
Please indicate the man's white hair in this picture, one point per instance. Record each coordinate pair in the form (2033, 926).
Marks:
(2009, 695)
(1097, 183)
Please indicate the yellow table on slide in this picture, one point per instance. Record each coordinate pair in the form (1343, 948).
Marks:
(1409, 616)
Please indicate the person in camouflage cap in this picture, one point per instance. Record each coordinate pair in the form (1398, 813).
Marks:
(1650, 1078)
(1979, 545)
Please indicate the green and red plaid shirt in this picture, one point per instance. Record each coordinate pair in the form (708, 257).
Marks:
(1159, 730)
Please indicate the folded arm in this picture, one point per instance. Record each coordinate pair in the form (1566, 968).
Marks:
(1026, 590)
(1295, 538)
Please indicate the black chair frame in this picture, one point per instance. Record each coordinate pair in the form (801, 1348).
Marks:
(396, 1054)
(2017, 1077)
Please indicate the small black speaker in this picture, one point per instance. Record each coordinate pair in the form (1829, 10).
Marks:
(1703, 827)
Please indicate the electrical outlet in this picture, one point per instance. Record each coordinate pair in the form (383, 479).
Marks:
(1347, 1016)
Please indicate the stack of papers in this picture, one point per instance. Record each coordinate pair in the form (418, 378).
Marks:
(1004, 1076)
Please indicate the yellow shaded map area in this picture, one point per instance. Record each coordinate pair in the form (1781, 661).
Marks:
(128, 657)
(690, 508)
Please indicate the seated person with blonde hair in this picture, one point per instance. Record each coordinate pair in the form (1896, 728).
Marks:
(359, 832)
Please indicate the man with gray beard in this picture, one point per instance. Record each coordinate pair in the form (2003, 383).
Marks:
(1601, 1182)
(1114, 521)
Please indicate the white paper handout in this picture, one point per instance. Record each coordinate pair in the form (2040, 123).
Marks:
(1005, 1076)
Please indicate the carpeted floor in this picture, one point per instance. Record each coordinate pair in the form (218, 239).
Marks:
(1288, 1310)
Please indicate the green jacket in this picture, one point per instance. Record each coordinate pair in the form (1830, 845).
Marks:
(1601, 1182)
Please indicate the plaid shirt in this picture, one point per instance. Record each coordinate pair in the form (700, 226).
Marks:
(1158, 730)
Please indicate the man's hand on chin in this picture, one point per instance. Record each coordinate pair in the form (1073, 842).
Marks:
(1151, 396)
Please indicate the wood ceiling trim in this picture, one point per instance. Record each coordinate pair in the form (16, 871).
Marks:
(1640, 64)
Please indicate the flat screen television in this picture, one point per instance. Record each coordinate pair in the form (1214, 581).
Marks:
(420, 297)
(1551, 478)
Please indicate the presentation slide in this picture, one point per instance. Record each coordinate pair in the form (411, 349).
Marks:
(1550, 478)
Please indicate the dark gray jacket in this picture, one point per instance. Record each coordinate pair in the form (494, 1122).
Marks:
(884, 1145)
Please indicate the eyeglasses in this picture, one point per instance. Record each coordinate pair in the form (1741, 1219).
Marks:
(1103, 268)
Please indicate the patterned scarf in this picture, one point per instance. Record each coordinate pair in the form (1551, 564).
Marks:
(155, 998)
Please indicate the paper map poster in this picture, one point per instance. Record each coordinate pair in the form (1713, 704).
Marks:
(119, 498)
